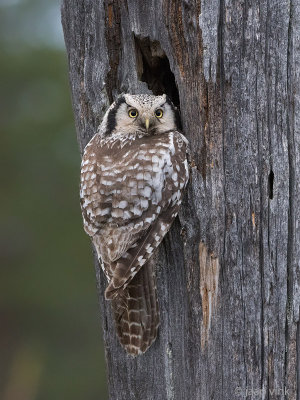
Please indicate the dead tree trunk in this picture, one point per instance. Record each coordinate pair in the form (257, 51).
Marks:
(228, 271)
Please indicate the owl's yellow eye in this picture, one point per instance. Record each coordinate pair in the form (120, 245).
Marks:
(159, 113)
(133, 113)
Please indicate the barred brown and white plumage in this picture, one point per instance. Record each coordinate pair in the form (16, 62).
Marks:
(133, 174)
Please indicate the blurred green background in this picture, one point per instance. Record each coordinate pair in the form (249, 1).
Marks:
(50, 332)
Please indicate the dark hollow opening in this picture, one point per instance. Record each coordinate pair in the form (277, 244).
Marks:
(271, 182)
(153, 67)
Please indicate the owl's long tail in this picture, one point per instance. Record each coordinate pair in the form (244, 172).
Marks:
(136, 311)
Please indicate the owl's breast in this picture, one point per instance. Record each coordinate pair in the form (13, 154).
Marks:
(125, 185)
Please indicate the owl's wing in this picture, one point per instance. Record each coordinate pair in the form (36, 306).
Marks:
(127, 266)
(130, 195)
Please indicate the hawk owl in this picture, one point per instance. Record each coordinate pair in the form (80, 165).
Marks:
(133, 174)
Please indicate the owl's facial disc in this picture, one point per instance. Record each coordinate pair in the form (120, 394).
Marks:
(144, 113)
(143, 121)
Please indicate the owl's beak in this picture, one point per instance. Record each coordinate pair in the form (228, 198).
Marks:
(147, 123)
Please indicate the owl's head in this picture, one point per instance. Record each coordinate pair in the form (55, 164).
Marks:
(143, 113)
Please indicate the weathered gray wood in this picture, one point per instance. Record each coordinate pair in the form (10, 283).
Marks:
(228, 271)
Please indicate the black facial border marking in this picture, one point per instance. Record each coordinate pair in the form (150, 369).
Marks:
(111, 118)
(176, 113)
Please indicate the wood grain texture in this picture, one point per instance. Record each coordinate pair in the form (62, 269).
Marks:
(228, 271)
